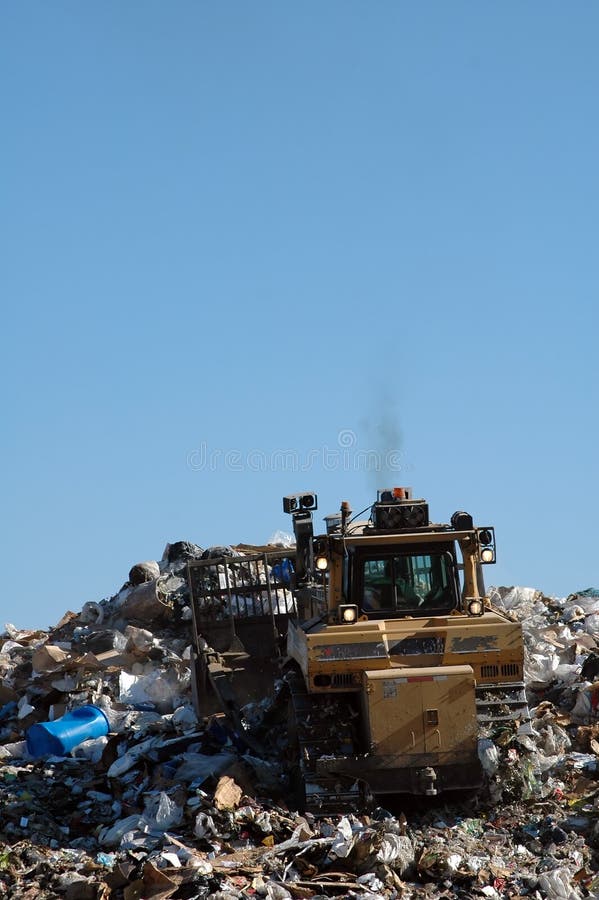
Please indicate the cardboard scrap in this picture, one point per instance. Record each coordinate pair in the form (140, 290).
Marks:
(48, 658)
(228, 794)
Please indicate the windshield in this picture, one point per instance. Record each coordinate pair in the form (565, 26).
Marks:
(408, 583)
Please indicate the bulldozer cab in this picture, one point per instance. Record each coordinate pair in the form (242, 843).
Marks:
(388, 584)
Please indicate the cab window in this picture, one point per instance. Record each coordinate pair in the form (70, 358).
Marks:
(408, 583)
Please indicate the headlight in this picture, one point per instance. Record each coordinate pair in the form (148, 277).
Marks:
(486, 545)
(475, 607)
(348, 614)
(321, 563)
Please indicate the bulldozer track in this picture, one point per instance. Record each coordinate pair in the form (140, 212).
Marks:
(320, 727)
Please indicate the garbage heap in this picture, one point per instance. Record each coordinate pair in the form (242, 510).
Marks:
(166, 806)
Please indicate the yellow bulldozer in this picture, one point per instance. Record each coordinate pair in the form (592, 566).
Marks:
(394, 661)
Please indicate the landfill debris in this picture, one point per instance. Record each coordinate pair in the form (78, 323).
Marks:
(164, 805)
(144, 571)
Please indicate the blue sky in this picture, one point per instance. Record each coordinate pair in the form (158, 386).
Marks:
(238, 237)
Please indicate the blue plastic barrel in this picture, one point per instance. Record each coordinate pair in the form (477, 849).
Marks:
(59, 737)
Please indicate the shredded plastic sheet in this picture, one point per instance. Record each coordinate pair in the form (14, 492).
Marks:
(282, 539)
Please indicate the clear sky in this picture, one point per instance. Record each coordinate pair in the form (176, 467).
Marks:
(250, 249)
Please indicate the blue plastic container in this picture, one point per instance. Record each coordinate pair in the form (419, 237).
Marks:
(58, 738)
(283, 570)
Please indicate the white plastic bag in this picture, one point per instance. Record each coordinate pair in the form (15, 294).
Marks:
(161, 813)
(345, 839)
(488, 755)
(557, 885)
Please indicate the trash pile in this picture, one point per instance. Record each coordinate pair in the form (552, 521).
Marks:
(156, 804)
